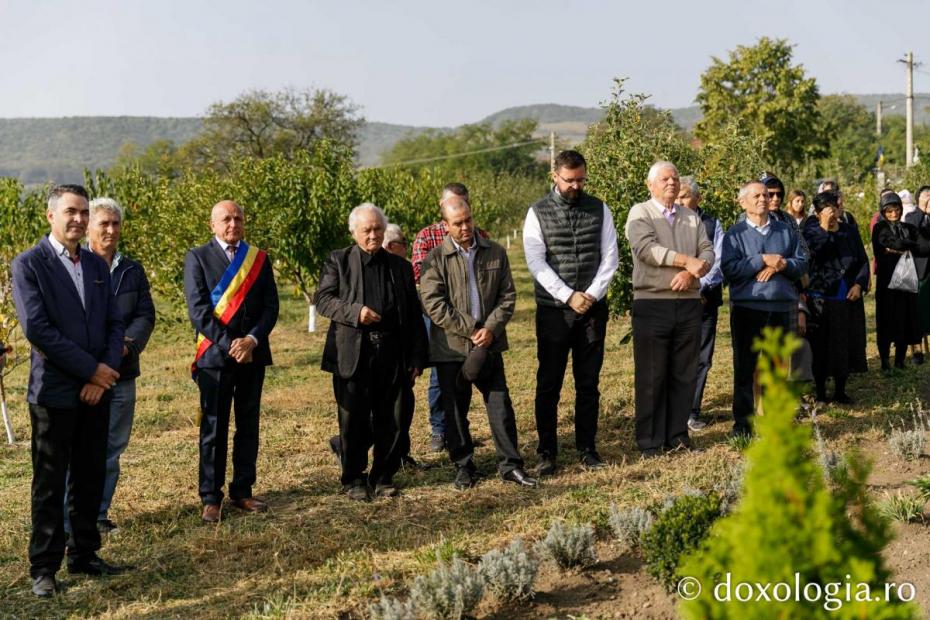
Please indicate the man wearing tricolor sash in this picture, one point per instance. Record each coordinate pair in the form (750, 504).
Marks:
(232, 302)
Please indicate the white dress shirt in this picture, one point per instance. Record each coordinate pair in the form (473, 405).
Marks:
(534, 248)
(74, 269)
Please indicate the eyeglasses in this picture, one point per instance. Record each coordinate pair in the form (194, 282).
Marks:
(779, 194)
(580, 181)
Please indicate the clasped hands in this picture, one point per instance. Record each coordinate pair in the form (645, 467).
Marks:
(692, 268)
(103, 379)
(773, 264)
(581, 302)
(240, 349)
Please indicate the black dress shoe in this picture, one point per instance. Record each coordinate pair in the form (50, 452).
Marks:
(44, 586)
(592, 460)
(95, 566)
(546, 467)
(465, 478)
(105, 526)
(519, 476)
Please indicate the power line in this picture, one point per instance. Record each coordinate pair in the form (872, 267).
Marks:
(454, 155)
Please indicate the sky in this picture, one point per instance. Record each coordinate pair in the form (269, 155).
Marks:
(420, 62)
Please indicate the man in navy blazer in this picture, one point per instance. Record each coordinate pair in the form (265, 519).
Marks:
(233, 367)
(68, 312)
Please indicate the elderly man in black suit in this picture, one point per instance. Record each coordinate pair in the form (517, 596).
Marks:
(68, 313)
(232, 301)
(376, 343)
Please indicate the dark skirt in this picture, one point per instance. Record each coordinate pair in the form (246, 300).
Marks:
(923, 305)
(837, 337)
(896, 317)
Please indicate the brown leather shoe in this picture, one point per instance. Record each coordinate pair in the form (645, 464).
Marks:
(250, 504)
(211, 513)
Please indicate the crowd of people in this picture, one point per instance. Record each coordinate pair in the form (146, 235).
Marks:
(88, 313)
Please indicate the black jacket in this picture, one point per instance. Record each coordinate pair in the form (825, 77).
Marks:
(134, 298)
(339, 298)
(203, 268)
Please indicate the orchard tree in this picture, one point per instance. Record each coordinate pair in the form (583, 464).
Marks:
(472, 148)
(848, 131)
(773, 99)
(261, 124)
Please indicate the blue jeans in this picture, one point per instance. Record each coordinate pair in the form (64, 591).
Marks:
(122, 412)
(437, 417)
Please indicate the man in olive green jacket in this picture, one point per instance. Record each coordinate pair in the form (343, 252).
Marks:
(468, 292)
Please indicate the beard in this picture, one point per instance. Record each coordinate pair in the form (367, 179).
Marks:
(571, 194)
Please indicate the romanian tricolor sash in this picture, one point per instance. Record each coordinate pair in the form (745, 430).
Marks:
(230, 291)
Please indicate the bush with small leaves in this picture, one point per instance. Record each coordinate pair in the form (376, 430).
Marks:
(568, 546)
(392, 609)
(923, 486)
(630, 524)
(730, 487)
(907, 443)
(677, 530)
(509, 573)
(449, 592)
(901, 506)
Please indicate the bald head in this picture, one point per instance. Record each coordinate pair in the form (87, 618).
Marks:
(452, 205)
(228, 221)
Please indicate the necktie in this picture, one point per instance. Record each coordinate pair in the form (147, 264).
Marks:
(230, 252)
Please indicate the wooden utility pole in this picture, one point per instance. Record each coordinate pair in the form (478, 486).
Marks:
(552, 151)
(878, 118)
(909, 94)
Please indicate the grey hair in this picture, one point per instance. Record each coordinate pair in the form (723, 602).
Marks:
(744, 188)
(692, 185)
(366, 206)
(105, 203)
(392, 233)
(656, 167)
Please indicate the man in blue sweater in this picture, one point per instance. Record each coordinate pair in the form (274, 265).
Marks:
(762, 260)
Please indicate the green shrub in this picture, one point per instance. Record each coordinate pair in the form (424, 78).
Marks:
(901, 506)
(791, 523)
(678, 529)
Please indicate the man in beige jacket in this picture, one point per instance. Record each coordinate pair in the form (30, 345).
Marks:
(671, 252)
(468, 292)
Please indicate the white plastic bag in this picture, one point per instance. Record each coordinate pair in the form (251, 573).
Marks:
(904, 277)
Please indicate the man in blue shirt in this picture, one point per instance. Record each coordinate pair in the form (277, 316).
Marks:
(762, 260)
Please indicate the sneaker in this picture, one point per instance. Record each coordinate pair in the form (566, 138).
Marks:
(696, 424)
(105, 526)
(437, 443)
(44, 586)
(592, 460)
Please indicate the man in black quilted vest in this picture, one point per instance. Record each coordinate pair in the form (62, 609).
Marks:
(570, 245)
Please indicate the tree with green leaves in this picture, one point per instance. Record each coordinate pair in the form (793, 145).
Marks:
(797, 525)
(261, 124)
(508, 148)
(848, 131)
(772, 98)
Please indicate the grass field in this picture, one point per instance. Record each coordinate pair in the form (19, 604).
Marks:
(318, 554)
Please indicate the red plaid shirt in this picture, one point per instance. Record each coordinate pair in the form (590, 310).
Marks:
(427, 239)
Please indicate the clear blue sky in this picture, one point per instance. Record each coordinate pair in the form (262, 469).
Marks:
(423, 62)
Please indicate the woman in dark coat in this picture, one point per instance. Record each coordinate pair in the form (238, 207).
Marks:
(839, 276)
(920, 219)
(896, 318)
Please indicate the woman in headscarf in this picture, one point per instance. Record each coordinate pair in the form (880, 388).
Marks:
(896, 319)
(839, 277)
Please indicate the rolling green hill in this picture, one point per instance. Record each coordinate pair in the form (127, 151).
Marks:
(38, 150)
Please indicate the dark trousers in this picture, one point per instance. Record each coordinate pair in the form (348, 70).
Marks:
(236, 388)
(558, 331)
(666, 342)
(745, 326)
(705, 357)
(371, 413)
(456, 399)
(62, 439)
